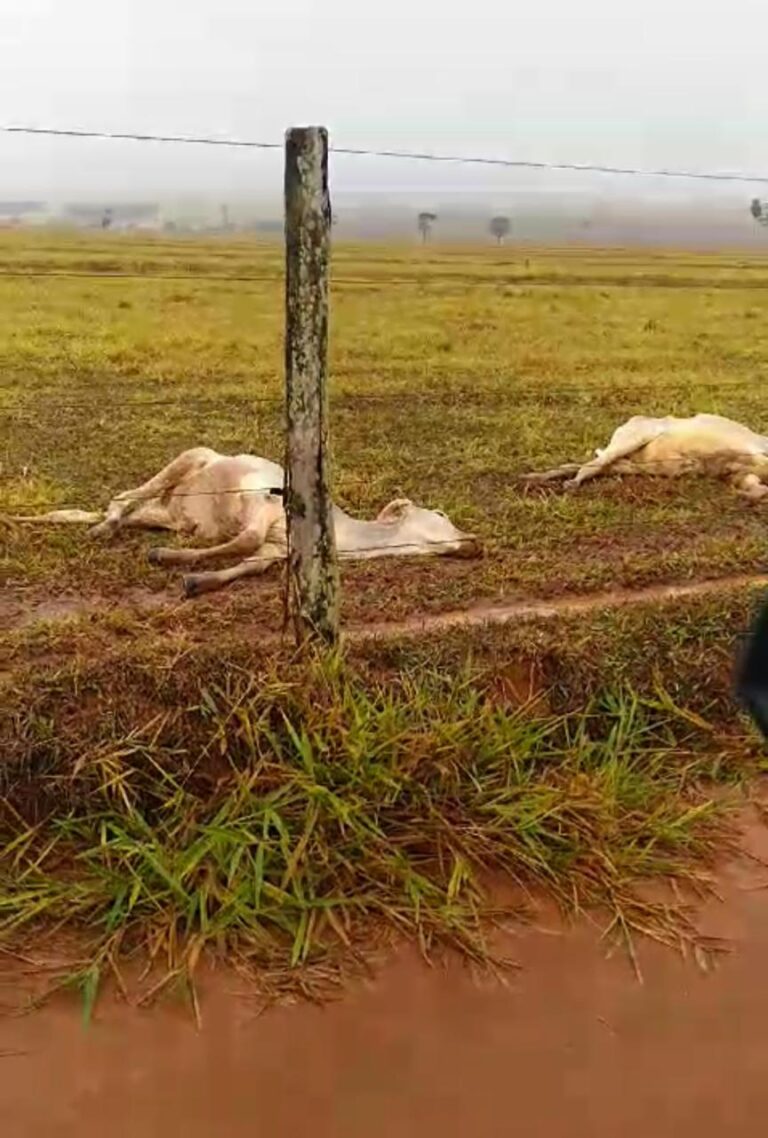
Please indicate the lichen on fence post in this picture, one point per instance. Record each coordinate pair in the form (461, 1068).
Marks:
(313, 577)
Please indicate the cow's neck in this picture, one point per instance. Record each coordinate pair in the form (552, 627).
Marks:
(354, 536)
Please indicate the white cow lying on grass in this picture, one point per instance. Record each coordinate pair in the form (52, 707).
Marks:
(669, 447)
(236, 503)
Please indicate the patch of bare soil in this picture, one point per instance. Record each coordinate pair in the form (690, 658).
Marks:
(16, 613)
(566, 605)
(20, 612)
(572, 1045)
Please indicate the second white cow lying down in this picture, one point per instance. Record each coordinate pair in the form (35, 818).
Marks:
(235, 502)
(670, 447)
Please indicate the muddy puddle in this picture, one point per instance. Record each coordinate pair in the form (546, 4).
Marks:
(572, 1045)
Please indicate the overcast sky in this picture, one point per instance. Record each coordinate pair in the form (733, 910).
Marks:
(651, 83)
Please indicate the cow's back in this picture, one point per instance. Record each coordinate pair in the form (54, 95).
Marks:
(707, 444)
(716, 433)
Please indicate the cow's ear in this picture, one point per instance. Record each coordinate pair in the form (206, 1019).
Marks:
(395, 510)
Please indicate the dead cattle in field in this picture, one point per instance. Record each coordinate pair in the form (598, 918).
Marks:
(235, 503)
(670, 447)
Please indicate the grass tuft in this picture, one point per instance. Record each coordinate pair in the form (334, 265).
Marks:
(289, 819)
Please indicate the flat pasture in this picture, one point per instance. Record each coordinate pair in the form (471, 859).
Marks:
(214, 793)
(453, 372)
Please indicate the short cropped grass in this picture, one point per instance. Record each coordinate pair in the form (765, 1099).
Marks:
(285, 821)
(452, 372)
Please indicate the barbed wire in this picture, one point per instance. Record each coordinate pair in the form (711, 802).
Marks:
(400, 155)
(31, 414)
(107, 404)
(133, 136)
(273, 278)
(351, 555)
(430, 280)
(110, 275)
(358, 555)
(527, 479)
(377, 281)
(343, 400)
(457, 544)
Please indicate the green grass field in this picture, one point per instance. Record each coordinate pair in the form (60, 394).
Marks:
(170, 784)
(453, 372)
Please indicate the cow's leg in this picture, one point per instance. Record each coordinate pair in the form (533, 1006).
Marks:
(246, 542)
(128, 501)
(557, 474)
(750, 486)
(148, 515)
(625, 441)
(572, 473)
(61, 517)
(268, 555)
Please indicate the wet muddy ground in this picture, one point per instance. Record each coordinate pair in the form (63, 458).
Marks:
(571, 1045)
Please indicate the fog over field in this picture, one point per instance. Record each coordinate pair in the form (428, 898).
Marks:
(669, 84)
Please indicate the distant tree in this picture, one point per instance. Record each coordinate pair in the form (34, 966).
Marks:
(107, 219)
(759, 211)
(425, 223)
(500, 227)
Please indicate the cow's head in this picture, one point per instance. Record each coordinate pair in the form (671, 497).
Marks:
(429, 530)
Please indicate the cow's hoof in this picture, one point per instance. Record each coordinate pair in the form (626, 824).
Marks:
(191, 585)
(104, 530)
(470, 547)
(154, 557)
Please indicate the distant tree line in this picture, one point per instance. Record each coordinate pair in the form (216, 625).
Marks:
(759, 211)
(425, 222)
(499, 227)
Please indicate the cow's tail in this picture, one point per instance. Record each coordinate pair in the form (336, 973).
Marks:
(61, 517)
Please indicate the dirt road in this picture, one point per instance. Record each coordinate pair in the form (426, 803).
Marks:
(574, 1046)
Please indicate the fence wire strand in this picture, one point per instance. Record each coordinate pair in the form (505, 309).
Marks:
(343, 400)
(392, 548)
(684, 463)
(527, 478)
(399, 155)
